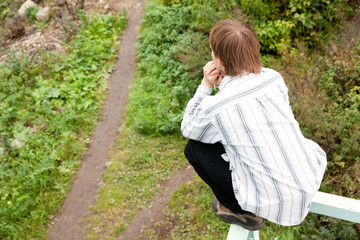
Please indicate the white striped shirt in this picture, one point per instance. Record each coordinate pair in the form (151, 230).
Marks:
(275, 170)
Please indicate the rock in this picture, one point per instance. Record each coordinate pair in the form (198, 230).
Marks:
(108, 164)
(17, 143)
(64, 9)
(43, 14)
(26, 5)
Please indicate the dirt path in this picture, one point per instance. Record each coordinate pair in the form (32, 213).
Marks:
(84, 190)
(148, 216)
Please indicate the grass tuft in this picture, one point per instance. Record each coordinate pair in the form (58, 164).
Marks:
(139, 165)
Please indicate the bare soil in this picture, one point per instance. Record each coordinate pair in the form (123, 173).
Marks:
(83, 193)
(67, 223)
(147, 217)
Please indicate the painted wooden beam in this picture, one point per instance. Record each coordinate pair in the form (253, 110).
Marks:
(323, 203)
(336, 206)
(236, 232)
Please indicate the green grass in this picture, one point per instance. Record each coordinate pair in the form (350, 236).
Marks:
(49, 104)
(139, 165)
(189, 215)
(52, 113)
(162, 85)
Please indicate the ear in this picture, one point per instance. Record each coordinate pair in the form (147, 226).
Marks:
(220, 62)
(221, 65)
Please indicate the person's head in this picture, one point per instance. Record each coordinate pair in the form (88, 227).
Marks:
(235, 47)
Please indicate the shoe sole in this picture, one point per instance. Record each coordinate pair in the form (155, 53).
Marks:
(234, 220)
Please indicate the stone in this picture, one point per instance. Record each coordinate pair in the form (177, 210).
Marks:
(26, 5)
(43, 14)
(64, 9)
(17, 143)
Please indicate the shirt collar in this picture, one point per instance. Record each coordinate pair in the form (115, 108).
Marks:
(225, 80)
(228, 79)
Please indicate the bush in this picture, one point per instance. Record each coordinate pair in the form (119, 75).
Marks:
(325, 100)
(278, 23)
(162, 86)
(173, 48)
(339, 78)
(323, 85)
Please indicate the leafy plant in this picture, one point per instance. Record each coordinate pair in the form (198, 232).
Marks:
(207, 12)
(49, 105)
(274, 35)
(158, 94)
(4, 10)
(30, 13)
(295, 38)
(278, 23)
(170, 57)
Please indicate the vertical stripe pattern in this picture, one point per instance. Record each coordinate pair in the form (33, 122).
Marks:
(275, 170)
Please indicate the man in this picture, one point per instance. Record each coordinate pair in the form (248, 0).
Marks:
(244, 141)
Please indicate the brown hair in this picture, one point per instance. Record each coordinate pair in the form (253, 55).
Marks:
(237, 46)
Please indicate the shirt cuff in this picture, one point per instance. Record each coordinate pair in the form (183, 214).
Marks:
(203, 91)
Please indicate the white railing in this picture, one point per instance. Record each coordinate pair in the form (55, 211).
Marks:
(323, 203)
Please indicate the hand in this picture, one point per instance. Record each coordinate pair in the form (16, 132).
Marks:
(212, 75)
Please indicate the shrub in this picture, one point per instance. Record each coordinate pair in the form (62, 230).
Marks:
(339, 78)
(280, 22)
(161, 86)
(324, 98)
(207, 12)
(274, 35)
(323, 86)
(171, 57)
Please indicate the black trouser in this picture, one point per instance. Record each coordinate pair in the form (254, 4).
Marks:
(211, 167)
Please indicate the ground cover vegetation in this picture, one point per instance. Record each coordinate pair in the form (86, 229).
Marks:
(139, 165)
(43, 136)
(305, 41)
(49, 103)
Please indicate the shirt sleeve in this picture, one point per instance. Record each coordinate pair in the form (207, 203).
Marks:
(196, 124)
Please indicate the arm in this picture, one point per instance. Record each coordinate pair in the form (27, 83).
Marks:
(196, 123)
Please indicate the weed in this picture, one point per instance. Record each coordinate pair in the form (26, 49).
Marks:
(172, 49)
(323, 87)
(139, 165)
(49, 106)
(30, 13)
(191, 207)
(189, 216)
